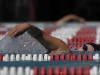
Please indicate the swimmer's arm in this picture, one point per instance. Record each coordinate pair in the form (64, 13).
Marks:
(69, 17)
(49, 42)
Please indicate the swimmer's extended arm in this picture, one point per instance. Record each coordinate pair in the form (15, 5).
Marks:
(69, 17)
(49, 42)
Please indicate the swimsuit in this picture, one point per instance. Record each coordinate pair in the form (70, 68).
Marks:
(23, 44)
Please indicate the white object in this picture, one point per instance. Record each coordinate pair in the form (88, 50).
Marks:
(35, 58)
(96, 57)
(27, 70)
(4, 71)
(31, 72)
(23, 57)
(45, 57)
(91, 71)
(95, 70)
(12, 57)
(40, 57)
(49, 58)
(17, 57)
(29, 57)
(20, 71)
(6, 57)
(12, 71)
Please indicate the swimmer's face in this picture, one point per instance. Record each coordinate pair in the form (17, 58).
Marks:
(86, 47)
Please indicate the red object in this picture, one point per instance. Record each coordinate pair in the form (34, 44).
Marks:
(57, 71)
(68, 57)
(3, 32)
(61, 72)
(72, 71)
(1, 57)
(35, 69)
(57, 57)
(79, 57)
(65, 71)
(87, 70)
(50, 71)
(79, 71)
(74, 57)
(62, 57)
(42, 71)
(90, 56)
(51, 57)
(85, 57)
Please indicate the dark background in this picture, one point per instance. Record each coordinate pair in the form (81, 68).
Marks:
(48, 10)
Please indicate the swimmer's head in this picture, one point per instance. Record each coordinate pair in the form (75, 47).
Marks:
(89, 47)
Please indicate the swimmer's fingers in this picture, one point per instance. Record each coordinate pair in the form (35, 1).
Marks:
(17, 29)
(12, 35)
(12, 31)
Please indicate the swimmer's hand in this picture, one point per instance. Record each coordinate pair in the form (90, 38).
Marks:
(18, 29)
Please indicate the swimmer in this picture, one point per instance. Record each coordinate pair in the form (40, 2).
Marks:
(52, 44)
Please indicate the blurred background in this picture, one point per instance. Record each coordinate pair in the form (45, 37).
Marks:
(74, 21)
(48, 10)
